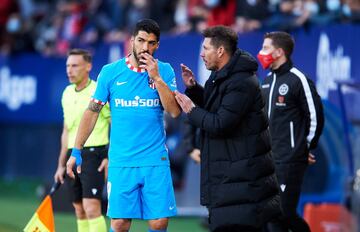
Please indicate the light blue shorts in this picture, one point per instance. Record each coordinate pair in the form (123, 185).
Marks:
(140, 192)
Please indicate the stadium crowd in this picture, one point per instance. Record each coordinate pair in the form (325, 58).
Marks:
(52, 27)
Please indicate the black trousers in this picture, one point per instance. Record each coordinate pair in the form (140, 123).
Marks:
(237, 228)
(290, 178)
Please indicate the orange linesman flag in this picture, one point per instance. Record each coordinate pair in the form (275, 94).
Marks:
(43, 219)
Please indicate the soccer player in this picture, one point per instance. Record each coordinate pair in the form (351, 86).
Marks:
(86, 189)
(139, 88)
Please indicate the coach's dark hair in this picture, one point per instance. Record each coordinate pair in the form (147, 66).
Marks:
(148, 25)
(222, 36)
(282, 40)
(84, 53)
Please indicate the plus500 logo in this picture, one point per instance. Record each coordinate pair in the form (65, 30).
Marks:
(137, 102)
(16, 90)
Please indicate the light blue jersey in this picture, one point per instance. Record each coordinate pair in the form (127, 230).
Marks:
(137, 136)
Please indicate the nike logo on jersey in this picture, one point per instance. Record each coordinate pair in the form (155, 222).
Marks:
(171, 207)
(121, 83)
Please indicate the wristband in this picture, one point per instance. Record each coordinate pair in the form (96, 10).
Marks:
(76, 153)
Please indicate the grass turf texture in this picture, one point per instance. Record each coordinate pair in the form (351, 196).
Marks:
(18, 203)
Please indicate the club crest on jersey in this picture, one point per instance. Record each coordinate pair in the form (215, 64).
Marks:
(173, 83)
(151, 83)
(283, 89)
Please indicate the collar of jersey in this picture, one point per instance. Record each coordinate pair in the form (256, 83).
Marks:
(139, 70)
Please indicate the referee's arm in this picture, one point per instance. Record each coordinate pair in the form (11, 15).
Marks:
(86, 126)
(60, 171)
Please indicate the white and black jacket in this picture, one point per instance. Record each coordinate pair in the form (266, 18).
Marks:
(295, 113)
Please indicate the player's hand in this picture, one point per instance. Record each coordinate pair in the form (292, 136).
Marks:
(59, 174)
(184, 102)
(187, 76)
(150, 64)
(70, 164)
(195, 155)
(104, 167)
(311, 159)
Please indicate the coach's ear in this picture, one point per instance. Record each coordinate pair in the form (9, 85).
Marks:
(220, 51)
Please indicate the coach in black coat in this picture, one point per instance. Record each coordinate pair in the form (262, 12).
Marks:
(238, 184)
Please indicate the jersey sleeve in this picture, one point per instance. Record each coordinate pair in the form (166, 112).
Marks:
(101, 94)
(169, 77)
(311, 105)
(68, 121)
(63, 103)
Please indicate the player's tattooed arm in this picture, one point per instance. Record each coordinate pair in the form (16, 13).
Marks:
(95, 107)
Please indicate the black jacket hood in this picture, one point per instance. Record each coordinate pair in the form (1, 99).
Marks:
(241, 61)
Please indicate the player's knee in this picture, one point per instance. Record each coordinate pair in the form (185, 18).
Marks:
(159, 224)
(79, 210)
(120, 225)
(92, 208)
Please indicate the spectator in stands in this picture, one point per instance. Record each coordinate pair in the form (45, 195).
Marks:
(74, 20)
(116, 12)
(197, 14)
(351, 10)
(181, 18)
(84, 23)
(136, 10)
(163, 11)
(221, 12)
(293, 14)
(250, 14)
(98, 22)
(9, 22)
(46, 34)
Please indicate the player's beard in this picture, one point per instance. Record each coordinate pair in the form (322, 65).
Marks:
(137, 56)
(137, 59)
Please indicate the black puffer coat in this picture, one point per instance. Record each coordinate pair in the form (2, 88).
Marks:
(238, 184)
